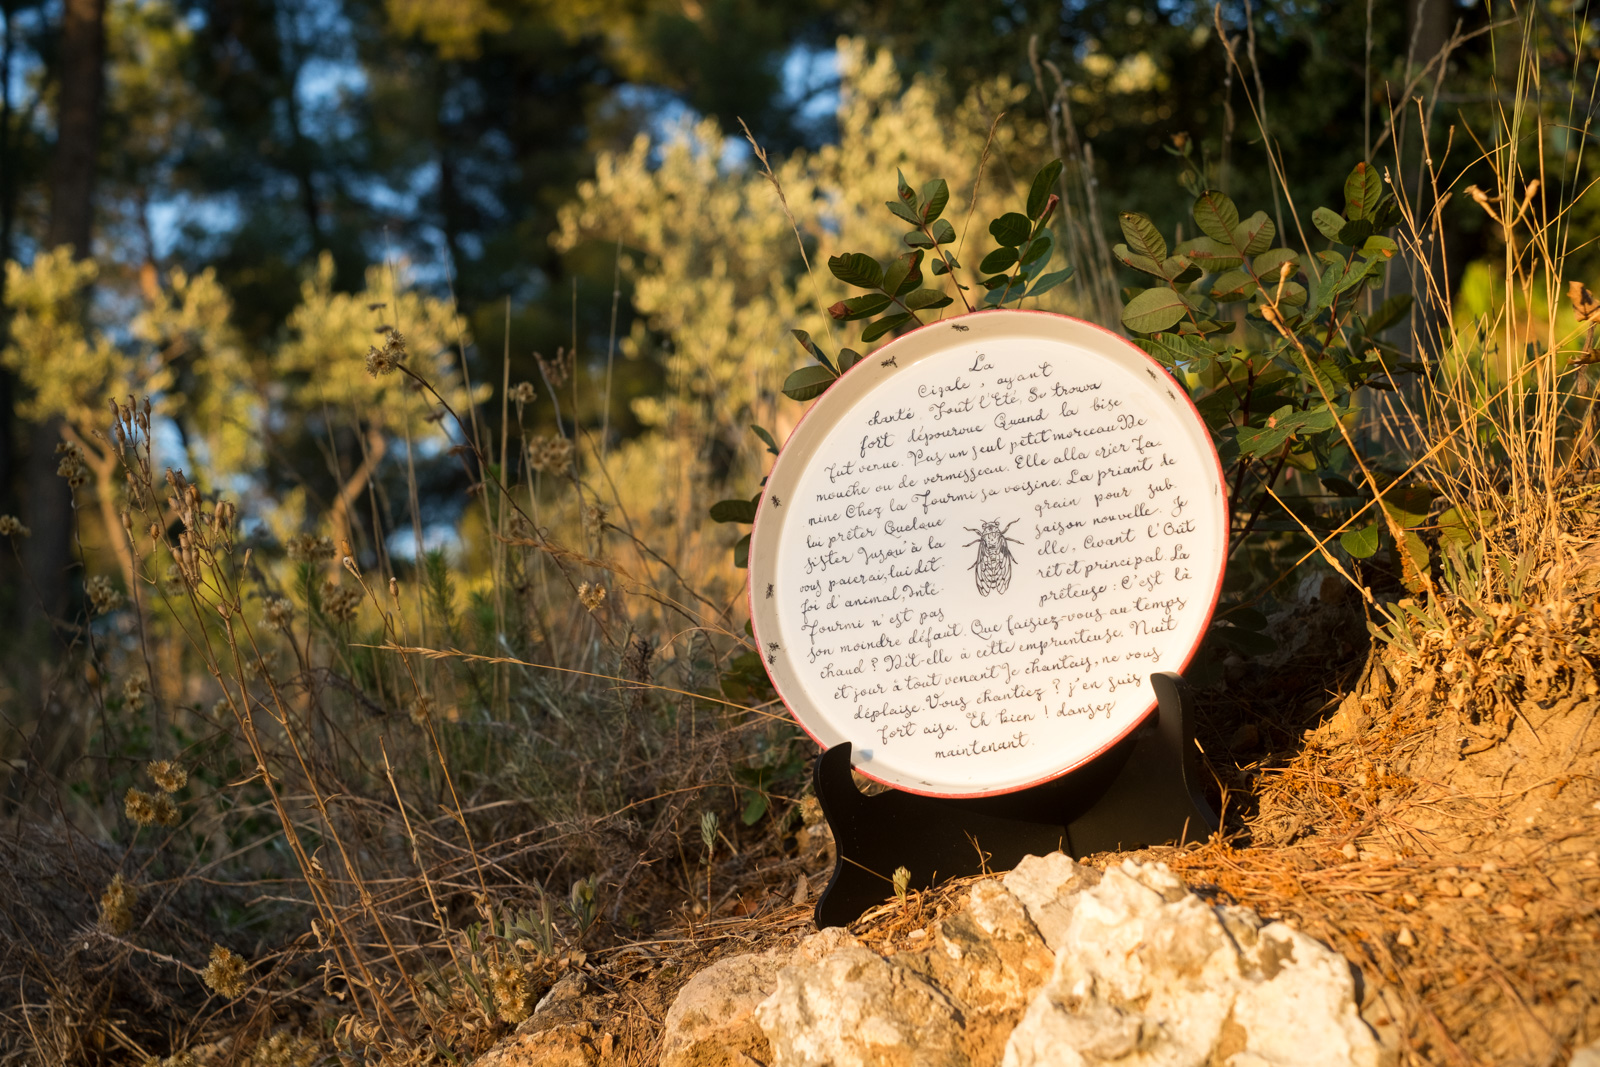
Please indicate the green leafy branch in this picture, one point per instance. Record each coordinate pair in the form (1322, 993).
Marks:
(896, 295)
(1281, 396)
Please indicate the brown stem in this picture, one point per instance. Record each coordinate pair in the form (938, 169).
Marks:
(345, 501)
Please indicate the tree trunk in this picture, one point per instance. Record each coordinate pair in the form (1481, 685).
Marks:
(72, 173)
(9, 577)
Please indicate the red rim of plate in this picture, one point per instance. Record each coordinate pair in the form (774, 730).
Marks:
(1216, 593)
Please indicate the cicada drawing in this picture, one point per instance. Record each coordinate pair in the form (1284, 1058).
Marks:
(992, 568)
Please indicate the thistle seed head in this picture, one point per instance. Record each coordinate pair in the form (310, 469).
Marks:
(116, 905)
(225, 973)
(278, 614)
(104, 597)
(168, 775)
(309, 548)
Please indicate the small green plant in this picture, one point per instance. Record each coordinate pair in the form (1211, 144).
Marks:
(532, 931)
(708, 836)
(901, 879)
(583, 906)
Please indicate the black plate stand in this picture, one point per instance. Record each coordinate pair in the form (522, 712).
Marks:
(1142, 791)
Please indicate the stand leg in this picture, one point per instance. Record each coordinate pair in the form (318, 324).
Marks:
(1157, 796)
(1143, 791)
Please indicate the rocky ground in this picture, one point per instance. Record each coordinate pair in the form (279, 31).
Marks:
(1390, 889)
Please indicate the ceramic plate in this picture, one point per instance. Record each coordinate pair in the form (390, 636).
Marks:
(978, 545)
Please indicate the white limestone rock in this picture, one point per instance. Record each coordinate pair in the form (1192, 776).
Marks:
(853, 1008)
(712, 1021)
(1048, 886)
(1149, 975)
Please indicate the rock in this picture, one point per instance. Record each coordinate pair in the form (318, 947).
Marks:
(1048, 887)
(558, 1046)
(712, 1023)
(568, 988)
(989, 959)
(1151, 974)
(826, 941)
(1054, 966)
(853, 1008)
(1588, 1056)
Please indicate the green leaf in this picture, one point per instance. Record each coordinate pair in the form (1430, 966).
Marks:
(1143, 236)
(1389, 312)
(935, 195)
(903, 212)
(755, 806)
(1005, 289)
(1387, 213)
(1456, 529)
(1379, 245)
(1209, 255)
(857, 269)
(1363, 543)
(1339, 486)
(1282, 425)
(1268, 263)
(808, 383)
(1292, 295)
(883, 326)
(1328, 221)
(900, 272)
(1254, 235)
(918, 299)
(862, 307)
(848, 357)
(941, 268)
(1179, 350)
(1137, 261)
(904, 188)
(1216, 216)
(766, 437)
(1359, 271)
(1408, 506)
(1326, 286)
(1043, 184)
(1011, 229)
(1154, 310)
(1049, 281)
(1001, 259)
(1354, 232)
(943, 232)
(811, 348)
(1233, 285)
(1362, 191)
(734, 511)
(1037, 253)
(918, 240)
(741, 551)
